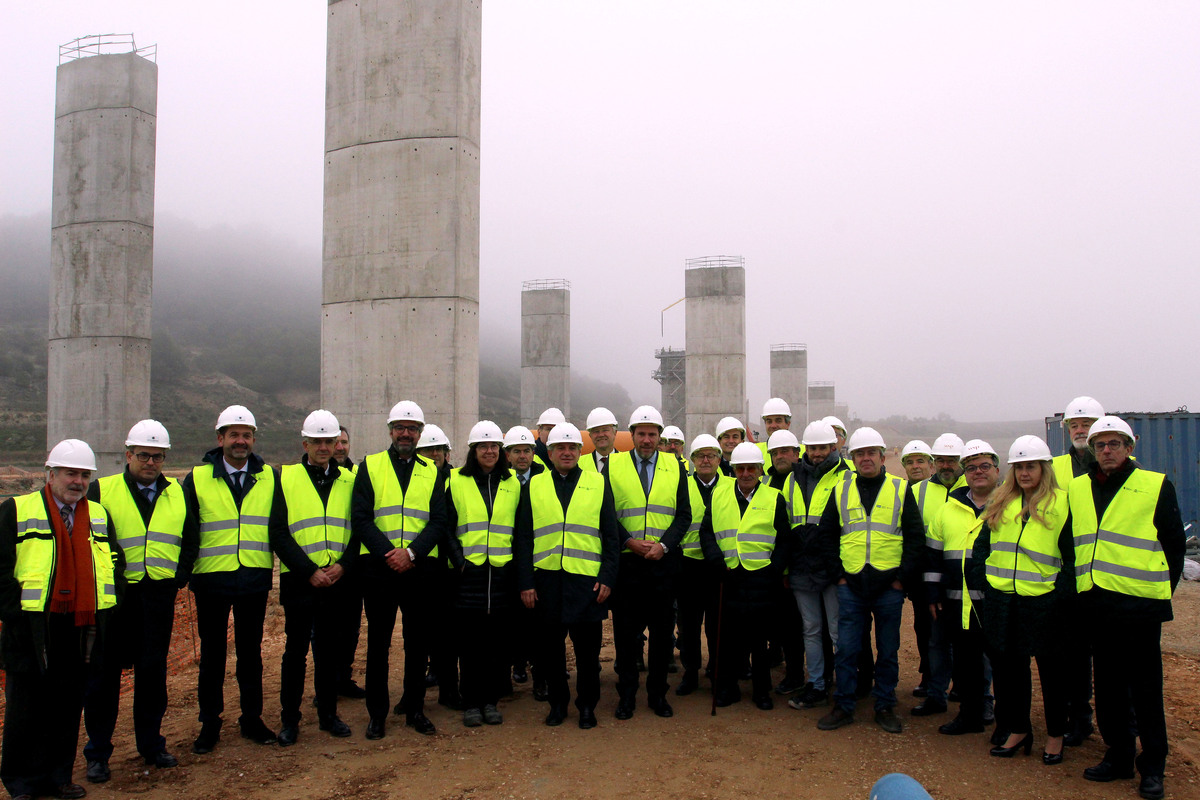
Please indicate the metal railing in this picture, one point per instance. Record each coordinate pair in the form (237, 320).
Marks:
(101, 44)
(709, 262)
(787, 346)
(546, 283)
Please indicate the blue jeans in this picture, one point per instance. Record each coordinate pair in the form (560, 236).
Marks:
(854, 610)
(809, 604)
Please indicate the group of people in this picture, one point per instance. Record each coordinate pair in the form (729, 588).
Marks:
(783, 546)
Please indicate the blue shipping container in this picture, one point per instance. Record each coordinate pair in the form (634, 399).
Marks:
(1168, 442)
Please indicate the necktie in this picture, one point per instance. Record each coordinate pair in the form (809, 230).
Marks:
(603, 464)
(645, 471)
(523, 479)
(65, 511)
(237, 480)
(148, 493)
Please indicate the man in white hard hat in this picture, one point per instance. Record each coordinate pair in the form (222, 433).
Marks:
(434, 445)
(398, 515)
(813, 564)
(231, 494)
(518, 447)
(160, 542)
(550, 417)
(839, 428)
(917, 460)
(602, 428)
(672, 442)
(697, 586)
(783, 451)
(776, 416)
(651, 496)
(1129, 547)
(949, 543)
(60, 579)
(566, 549)
(730, 433)
(1078, 417)
(875, 522)
(744, 533)
(310, 532)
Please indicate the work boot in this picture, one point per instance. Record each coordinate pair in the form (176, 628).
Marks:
(838, 718)
(886, 718)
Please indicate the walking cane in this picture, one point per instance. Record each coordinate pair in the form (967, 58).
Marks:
(717, 669)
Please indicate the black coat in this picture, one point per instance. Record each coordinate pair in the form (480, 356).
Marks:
(814, 561)
(745, 589)
(479, 587)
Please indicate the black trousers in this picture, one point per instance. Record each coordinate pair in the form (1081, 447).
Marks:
(1127, 657)
(1078, 655)
(482, 649)
(212, 624)
(384, 592)
(41, 715)
(443, 645)
(138, 634)
(744, 630)
(697, 592)
(552, 660)
(354, 602)
(968, 647)
(1014, 690)
(640, 602)
(923, 629)
(784, 629)
(325, 617)
(523, 644)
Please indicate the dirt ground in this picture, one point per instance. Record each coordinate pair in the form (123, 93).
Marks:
(742, 752)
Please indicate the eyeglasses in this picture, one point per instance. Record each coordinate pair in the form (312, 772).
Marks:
(704, 456)
(1108, 444)
(157, 458)
(984, 467)
(396, 426)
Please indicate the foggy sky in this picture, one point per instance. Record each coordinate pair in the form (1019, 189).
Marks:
(982, 211)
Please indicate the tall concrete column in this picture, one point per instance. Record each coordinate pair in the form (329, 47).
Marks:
(715, 341)
(820, 399)
(400, 299)
(545, 348)
(101, 249)
(789, 380)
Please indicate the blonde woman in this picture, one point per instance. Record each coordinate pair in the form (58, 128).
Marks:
(1024, 560)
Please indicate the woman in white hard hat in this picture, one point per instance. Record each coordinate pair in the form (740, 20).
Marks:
(1024, 559)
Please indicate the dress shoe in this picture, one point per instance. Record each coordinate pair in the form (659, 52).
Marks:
(1107, 771)
(420, 723)
(376, 728)
(921, 691)
(886, 718)
(838, 718)
(1050, 759)
(520, 675)
(928, 708)
(1079, 733)
(541, 691)
(256, 731)
(210, 734)
(661, 707)
(1026, 744)
(764, 702)
(473, 717)
(624, 709)
(558, 714)
(162, 760)
(73, 791)
(351, 690)
(689, 683)
(335, 727)
(98, 771)
(288, 735)
(587, 718)
(725, 699)
(1151, 787)
(1000, 735)
(492, 715)
(958, 726)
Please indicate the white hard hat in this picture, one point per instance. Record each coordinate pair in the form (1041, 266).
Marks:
(600, 416)
(1083, 407)
(564, 432)
(433, 436)
(406, 410)
(948, 445)
(776, 406)
(236, 415)
(780, 439)
(1028, 448)
(703, 441)
(148, 433)
(551, 416)
(518, 434)
(835, 422)
(645, 415)
(485, 431)
(819, 432)
(729, 424)
(863, 438)
(320, 424)
(978, 447)
(1110, 424)
(746, 453)
(916, 446)
(71, 454)
(672, 434)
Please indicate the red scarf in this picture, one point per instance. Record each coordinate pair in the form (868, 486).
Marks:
(74, 590)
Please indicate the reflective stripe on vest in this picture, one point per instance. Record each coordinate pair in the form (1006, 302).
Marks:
(690, 543)
(955, 528)
(400, 515)
(570, 542)
(153, 552)
(930, 498)
(873, 539)
(36, 553)
(1024, 557)
(794, 498)
(322, 530)
(1120, 552)
(230, 538)
(485, 540)
(746, 539)
(642, 517)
